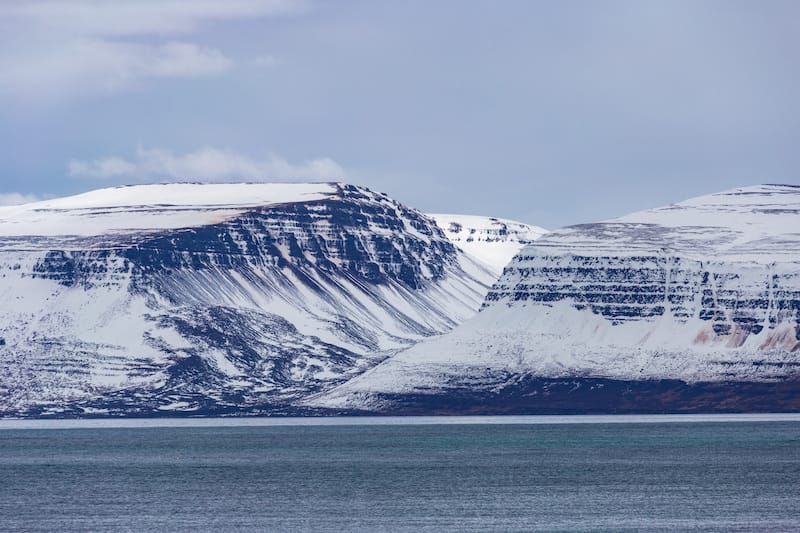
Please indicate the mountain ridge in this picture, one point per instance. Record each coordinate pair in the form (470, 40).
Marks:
(330, 298)
(130, 303)
(621, 301)
(492, 241)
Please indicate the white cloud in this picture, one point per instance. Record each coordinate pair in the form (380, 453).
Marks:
(115, 18)
(104, 65)
(53, 49)
(102, 168)
(15, 198)
(183, 59)
(205, 164)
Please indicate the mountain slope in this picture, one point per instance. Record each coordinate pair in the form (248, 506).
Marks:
(664, 305)
(491, 241)
(215, 298)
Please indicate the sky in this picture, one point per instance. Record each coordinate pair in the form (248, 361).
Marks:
(549, 112)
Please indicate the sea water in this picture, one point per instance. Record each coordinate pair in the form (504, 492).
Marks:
(734, 473)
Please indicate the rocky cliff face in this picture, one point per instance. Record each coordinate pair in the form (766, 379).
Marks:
(704, 291)
(215, 298)
(722, 270)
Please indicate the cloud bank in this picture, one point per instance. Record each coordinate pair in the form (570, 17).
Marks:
(205, 164)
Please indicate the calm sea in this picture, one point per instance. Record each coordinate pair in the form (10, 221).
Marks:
(649, 474)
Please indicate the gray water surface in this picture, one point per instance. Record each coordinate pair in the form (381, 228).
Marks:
(719, 475)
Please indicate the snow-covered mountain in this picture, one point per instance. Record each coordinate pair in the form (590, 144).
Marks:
(492, 241)
(694, 306)
(211, 298)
